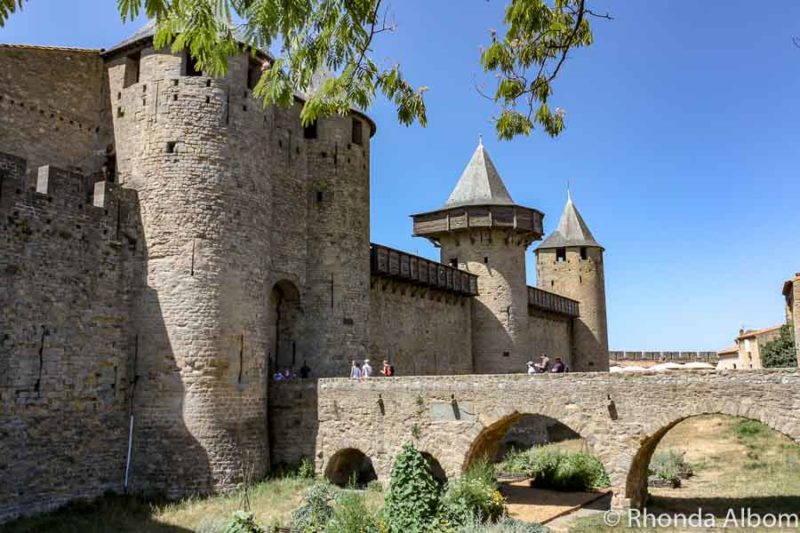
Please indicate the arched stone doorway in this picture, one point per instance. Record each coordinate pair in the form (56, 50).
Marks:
(714, 496)
(350, 466)
(284, 318)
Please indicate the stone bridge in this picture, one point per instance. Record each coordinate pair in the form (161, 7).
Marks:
(458, 419)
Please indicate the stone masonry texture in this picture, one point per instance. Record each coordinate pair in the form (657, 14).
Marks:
(167, 242)
(459, 419)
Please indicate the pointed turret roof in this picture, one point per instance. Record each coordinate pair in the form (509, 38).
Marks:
(571, 231)
(480, 183)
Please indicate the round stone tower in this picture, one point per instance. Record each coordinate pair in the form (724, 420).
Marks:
(569, 262)
(201, 153)
(481, 230)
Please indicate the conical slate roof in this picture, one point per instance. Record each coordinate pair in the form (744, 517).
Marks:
(480, 183)
(571, 231)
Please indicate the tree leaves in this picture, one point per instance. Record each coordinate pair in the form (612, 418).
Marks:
(336, 36)
(7, 7)
(528, 59)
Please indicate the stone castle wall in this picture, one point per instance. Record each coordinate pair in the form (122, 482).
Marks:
(292, 421)
(422, 331)
(550, 333)
(52, 106)
(582, 280)
(68, 265)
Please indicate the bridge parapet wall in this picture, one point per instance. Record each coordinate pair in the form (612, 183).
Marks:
(621, 416)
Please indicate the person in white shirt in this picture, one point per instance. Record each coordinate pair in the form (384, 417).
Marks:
(366, 370)
(531, 368)
(355, 370)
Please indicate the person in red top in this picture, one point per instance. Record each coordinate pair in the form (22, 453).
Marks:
(388, 369)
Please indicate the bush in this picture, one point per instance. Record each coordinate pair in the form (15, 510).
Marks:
(516, 462)
(553, 468)
(306, 469)
(748, 428)
(412, 500)
(350, 515)
(473, 497)
(316, 511)
(505, 525)
(243, 522)
(670, 466)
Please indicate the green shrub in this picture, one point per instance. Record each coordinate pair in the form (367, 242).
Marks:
(505, 525)
(412, 500)
(315, 513)
(305, 469)
(473, 497)
(670, 466)
(243, 522)
(516, 462)
(748, 428)
(350, 515)
(553, 468)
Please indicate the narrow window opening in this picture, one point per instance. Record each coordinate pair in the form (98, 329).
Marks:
(174, 97)
(171, 147)
(253, 74)
(174, 83)
(208, 83)
(552, 283)
(132, 63)
(190, 66)
(208, 99)
(310, 131)
(454, 262)
(120, 112)
(357, 136)
(506, 354)
(584, 253)
(319, 197)
(561, 254)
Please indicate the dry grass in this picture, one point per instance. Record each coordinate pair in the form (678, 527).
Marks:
(733, 469)
(271, 501)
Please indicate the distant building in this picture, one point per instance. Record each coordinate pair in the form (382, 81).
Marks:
(749, 344)
(791, 291)
(728, 358)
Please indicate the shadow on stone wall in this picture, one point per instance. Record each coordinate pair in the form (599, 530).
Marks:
(167, 460)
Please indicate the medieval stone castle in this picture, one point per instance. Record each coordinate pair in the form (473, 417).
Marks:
(166, 243)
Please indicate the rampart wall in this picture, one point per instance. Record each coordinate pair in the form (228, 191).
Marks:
(421, 330)
(68, 269)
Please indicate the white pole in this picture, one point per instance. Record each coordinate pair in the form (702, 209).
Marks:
(130, 448)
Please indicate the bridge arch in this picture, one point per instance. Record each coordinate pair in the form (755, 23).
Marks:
(487, 440)
(350, 465)
(636, 491)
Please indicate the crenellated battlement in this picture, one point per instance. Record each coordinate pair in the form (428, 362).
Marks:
(66, 204)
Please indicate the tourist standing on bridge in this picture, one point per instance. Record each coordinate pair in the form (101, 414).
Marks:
(355, 370)
(388, 369)
(544, 363)
(559, 367)
(366, 370)
(531, 368)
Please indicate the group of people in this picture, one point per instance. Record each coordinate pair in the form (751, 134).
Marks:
(544, 365)
(288, 373)
(364, 370)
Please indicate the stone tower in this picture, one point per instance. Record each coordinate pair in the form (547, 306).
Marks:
(569, 262)
(481, 230)
(256, 239)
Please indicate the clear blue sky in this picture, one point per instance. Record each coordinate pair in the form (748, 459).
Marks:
(682, 145)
